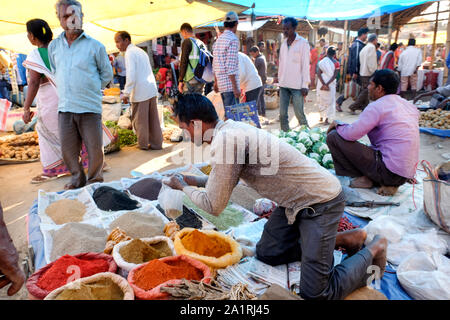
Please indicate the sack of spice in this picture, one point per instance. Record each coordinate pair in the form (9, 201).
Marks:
(130, 254)
(147, 279)
(171, 201)
(213, 248)
(101, 286)
(66, 269)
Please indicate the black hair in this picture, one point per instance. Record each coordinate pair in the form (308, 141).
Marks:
(261, 43)
(331, 51)
(230, 24)
(378, 45)
(393, 46)
(186, 27)
(388, 79)
(292, 21)
(254, 49)
(411, 42)
(322, 40)
(124, 35)
(192, 106)
(40, 30)
(363, 31)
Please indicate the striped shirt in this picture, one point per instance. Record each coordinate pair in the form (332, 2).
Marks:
(226, 61)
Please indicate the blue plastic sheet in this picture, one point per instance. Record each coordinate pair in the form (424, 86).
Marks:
(327, 9)
(389, 284)
(436, 132)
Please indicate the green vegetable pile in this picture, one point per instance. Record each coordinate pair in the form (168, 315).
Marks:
(167, 119)
(310, 142)
(126, 136)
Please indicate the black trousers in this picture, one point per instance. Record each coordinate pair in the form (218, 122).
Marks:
(311, 239)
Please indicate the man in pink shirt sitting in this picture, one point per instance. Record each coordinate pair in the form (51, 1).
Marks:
(391, 123)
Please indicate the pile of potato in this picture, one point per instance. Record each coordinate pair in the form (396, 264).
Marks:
(439, 119)
(22, 147)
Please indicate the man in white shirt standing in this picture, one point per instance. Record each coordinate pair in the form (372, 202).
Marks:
(250, 81)
(408, 64)
(141, 90)
(293, 73)
(369, 64)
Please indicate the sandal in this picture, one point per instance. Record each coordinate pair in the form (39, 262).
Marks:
(42, 178)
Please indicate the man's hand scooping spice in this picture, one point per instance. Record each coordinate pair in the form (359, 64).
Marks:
(9, 266)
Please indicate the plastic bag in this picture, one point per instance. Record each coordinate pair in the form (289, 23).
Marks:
(128, 293)
(37, 293)
(425, 276)
(126, 267)
(264, 206)
(216, 100)
(124, 122)
(171, 201)
(155, 293)
(390, 227)
(111, 112)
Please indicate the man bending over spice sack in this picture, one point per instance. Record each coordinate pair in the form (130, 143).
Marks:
(311, 201)
(392, 125)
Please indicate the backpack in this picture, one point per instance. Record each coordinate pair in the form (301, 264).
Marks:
(203, 72)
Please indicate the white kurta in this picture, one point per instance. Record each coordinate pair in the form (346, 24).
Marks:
(327, 99)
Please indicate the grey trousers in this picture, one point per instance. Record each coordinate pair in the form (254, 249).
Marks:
(353, 159)
(363, 98)
(311, 239)
(258, 96)
(75, 129)
(145, 121)
(193, 86)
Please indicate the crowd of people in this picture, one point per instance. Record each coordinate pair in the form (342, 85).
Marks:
(67, 74)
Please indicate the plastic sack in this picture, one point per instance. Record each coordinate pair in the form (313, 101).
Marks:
(216, 100)
(436, 196)
(425, 276)
(222, 262)
(272, 102)
(171, 201)
(155, 293)
(264, 206)
(124, 122)
(126, 267)
(386, 226)
(128, 293)
(37, 293)
(111, 112)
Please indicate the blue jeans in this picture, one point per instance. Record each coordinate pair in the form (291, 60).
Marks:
(4, 93)
(229, 99)
(297, 101)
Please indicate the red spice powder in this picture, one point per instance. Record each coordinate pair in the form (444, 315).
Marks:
(59, 272)
(157, 272)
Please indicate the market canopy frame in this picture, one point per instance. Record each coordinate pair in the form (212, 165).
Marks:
(143, 19)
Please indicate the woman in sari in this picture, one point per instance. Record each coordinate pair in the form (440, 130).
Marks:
(41, 84)
(313, 58)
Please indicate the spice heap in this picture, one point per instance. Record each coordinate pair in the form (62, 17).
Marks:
(156, 272)
(116, 236)
(146, 188)
(74, 238)
(110, 199)
(137, 251)
(139, 225)
(196, 290)
(205, 245)
(66, 210)
(63, 268)
(104, 289)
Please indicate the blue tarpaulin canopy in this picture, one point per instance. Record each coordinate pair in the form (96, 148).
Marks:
(327, 9)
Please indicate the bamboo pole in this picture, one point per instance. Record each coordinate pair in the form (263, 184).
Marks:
(434, 36)
(391, 20)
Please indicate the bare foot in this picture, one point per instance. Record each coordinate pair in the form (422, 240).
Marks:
(378, 248)
(351, 240)
(387, 191)
(326, 121)
(361, 182)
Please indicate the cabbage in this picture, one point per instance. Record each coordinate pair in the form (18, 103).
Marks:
(300, 147)
(327, 161)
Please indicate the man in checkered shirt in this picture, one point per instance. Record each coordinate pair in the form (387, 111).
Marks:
(226, 62)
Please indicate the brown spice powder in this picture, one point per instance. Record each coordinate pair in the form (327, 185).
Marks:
(104, 289)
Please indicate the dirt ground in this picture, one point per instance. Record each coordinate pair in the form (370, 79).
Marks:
(17, 193)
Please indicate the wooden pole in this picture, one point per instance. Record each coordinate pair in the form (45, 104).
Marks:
(396, 35)
(391, 20)
(434, 36)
